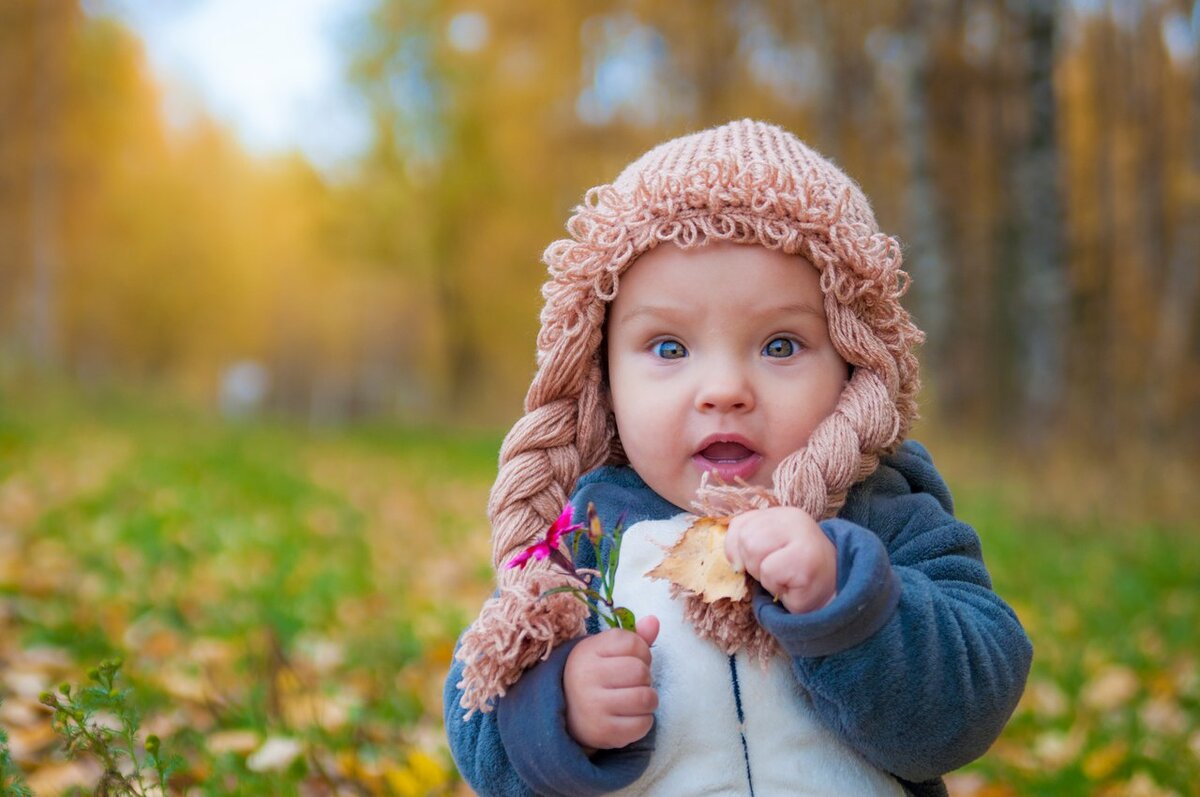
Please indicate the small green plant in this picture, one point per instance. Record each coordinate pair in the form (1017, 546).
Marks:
(99, 720)
(12, 780)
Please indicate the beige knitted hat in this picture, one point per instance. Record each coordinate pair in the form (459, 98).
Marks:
(745, 182)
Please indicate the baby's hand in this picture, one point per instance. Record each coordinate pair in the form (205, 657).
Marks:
(610, 702)
(786, 551)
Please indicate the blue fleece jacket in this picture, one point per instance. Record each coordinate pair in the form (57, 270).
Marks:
(916, 664)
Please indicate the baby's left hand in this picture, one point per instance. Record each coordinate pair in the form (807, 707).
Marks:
(786, 551)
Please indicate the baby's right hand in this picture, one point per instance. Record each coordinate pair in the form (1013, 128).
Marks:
(610, 702)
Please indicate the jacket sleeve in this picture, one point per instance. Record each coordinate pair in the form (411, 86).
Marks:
(476, 745)
(916, 663)
(523, 748)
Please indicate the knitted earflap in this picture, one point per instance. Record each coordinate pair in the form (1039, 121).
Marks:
(745, 182)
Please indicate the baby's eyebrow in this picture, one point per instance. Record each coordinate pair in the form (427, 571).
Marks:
(654, 311)
(795, 309)
(659, 312)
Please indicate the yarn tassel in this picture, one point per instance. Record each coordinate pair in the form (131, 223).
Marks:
(514, 631)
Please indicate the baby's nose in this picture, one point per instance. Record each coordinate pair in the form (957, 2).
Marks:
(728, 390)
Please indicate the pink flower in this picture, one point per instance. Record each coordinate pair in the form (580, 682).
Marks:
(544, 547)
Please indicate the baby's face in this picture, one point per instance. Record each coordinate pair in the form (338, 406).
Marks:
(719, 359)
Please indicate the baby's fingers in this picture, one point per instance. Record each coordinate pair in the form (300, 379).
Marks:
(732, 547)
(634, 701)
(802, 579)
(622, 673)
(611, 730)
(748, 542)
(619, 643)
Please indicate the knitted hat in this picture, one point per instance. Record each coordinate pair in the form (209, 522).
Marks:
(745, 182)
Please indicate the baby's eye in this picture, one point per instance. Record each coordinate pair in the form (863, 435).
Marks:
(670, 350)
(780, 347)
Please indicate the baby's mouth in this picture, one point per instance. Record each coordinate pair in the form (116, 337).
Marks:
(725, 453)
(729, 460)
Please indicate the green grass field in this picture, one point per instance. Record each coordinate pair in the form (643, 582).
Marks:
(286, 603)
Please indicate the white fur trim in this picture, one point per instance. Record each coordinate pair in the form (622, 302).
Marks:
(698, 748)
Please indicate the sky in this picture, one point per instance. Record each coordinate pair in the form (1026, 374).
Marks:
(270, 69)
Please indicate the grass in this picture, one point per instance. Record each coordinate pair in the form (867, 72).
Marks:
(1113, 697)
(263, 582)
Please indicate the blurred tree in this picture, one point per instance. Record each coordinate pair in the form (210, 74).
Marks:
(1172, 377)
(1128, 99)
(1040, 266)
(52, 28)
(907, 59)
(1039, 159)
(35, 42)
(474, 117)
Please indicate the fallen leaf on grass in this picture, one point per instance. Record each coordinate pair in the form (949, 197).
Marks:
(420, 774)
(277, 753)
(697, 563)
(211, 651)
(57, 778)
(183, 685)
(973, 784)
(26, 683)
(44, 657)
(1045, 699)
(1111, 688)
(350, 765)
(1056, 749)
(241, 741)
(308, 709)
(27, 744)
(1142, 784)
(1163, 716)
(321, 654)
(18, 713)
(1099, 764)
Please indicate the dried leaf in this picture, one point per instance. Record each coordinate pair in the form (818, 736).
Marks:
(18, 713)
(56, 778)
(26, 683)
(277, 753)
(973, 784)
(1142, 784)
(696, 562)
(1163, 716)
(28, 744)
(1045, 699)
(183, 685)
(308, 710)
(241, 741)
(1099, 764)
(1056, 749)
(1111, 688)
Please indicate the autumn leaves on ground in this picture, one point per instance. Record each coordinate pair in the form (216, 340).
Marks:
(286, 601)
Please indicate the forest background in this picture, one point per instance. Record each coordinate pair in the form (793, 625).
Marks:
(329, 340)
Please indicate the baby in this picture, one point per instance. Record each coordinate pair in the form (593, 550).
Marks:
(729, 306)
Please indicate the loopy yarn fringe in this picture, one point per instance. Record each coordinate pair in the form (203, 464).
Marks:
(729, 624)
(744, 182)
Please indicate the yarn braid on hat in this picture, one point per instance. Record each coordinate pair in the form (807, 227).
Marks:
(745, 182)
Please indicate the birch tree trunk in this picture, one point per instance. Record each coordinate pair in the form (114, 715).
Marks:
(1179, 306)
(45, 195)
(1042, 297)
(926, 257)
